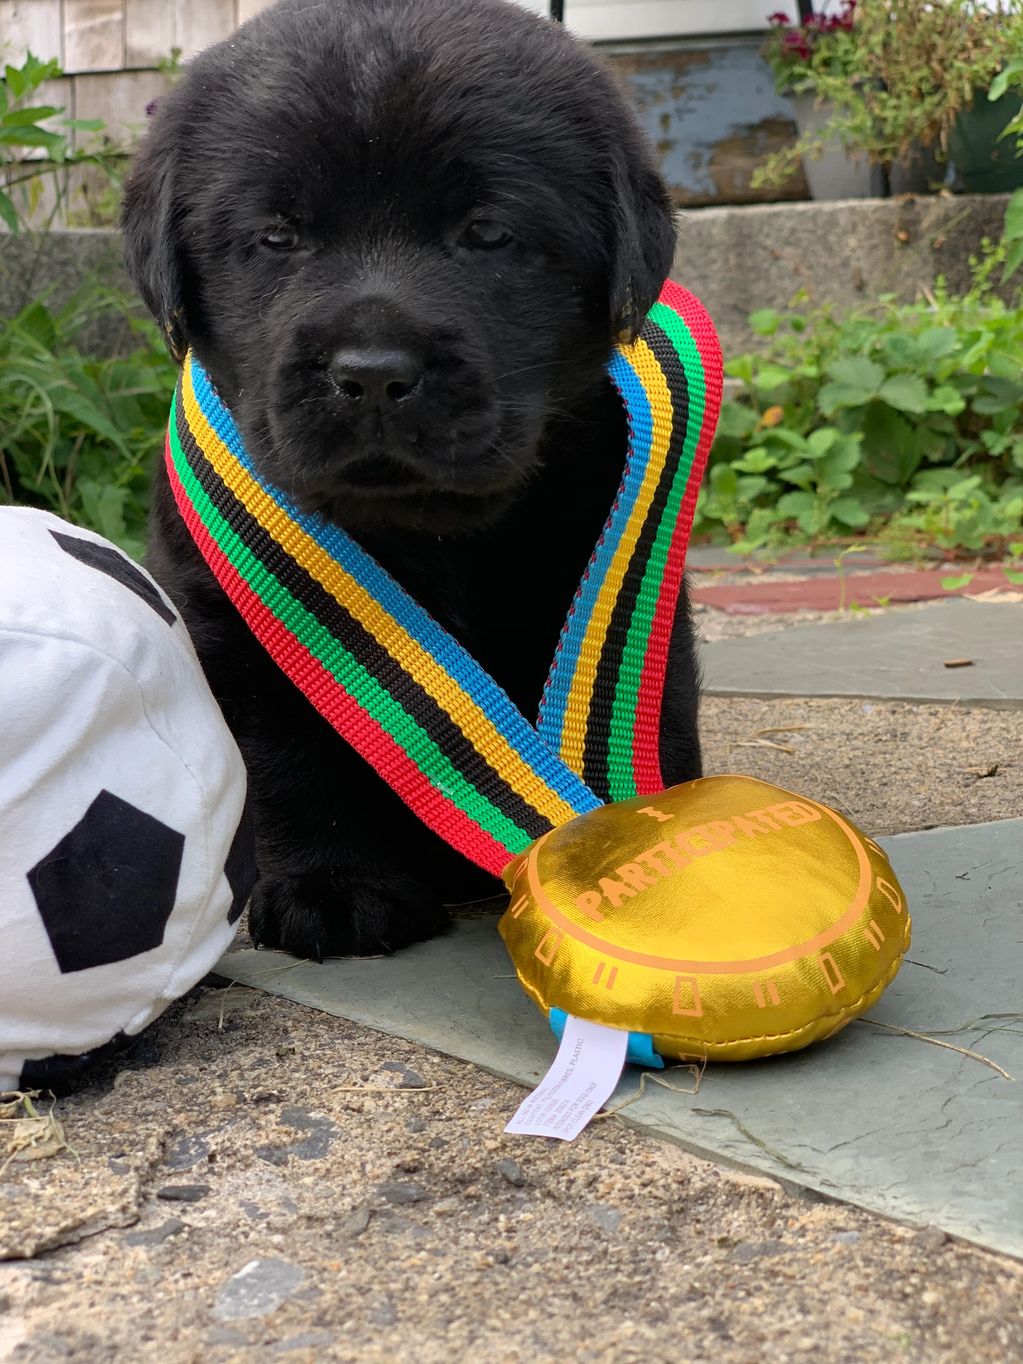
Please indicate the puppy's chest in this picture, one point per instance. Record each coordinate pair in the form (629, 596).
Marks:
(504, 592)
(503, 600)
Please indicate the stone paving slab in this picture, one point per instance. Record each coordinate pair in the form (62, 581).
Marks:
(833, 591)
(896, 656)
(875, 1118)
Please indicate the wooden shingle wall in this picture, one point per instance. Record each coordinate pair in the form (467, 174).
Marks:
(709, 105)
(111, 50)
(114, 55)
(116, 35)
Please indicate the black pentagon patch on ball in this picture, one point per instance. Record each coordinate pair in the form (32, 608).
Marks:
(106, 890)
(240, 867)
(115, 566)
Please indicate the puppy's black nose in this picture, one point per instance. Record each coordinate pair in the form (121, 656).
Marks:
(381, 377)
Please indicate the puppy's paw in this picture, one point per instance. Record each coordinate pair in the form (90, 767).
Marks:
(343, 913)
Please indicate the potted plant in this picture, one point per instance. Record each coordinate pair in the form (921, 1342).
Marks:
(984, 140)
(821, 45)
(910, 73)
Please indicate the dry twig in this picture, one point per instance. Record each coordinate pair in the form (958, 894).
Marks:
(937, 1042)
(695, 1070)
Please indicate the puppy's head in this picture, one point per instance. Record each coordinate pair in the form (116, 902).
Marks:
(401, 235)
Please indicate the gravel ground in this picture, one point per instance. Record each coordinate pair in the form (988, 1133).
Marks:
(892, 766)
(260, 1181)
(281, 1184)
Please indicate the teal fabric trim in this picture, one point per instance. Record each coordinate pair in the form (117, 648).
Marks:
(640, 1051)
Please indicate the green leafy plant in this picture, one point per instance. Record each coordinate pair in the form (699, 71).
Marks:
(1012, 236)
(901, 420)
(79, 433)
(23, 134)
(901, 76)
(1012, 571)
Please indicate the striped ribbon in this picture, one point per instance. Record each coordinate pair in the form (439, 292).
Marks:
(398, 687)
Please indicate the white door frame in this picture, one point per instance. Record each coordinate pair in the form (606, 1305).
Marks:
(606, 20)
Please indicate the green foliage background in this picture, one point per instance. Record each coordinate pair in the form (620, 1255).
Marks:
(80, 433)
(899, 422)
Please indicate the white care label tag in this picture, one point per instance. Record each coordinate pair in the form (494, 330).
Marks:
(584, 1074)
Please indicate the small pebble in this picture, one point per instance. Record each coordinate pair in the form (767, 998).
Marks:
(354, 1224)
(226, 1335)
(382, 1313)
(410, 1079)
(511, 1171)
(395, 1191)
(306, 1340)
(183, 1193)
(930, 1238)
(607, 1218)
(155, 1236)
(257, 1289)
(754, 1250)
(187, 1151)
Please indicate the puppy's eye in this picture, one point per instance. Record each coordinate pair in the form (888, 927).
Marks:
(283, 237)
(486, 234)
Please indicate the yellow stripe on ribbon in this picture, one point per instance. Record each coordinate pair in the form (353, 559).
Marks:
(389, 634)
(577, 709)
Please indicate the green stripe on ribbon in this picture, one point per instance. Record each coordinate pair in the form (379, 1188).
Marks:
(621, 774)
(347, 671)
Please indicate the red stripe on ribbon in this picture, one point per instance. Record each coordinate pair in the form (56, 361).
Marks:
(355, 725)
(646, 758)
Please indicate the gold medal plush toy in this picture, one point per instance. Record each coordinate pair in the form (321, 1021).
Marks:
(723, 919)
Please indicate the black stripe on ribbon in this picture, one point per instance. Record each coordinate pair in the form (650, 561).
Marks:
(597, 745)
(342, 625)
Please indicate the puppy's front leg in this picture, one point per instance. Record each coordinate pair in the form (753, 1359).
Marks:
(335, 846)
(358, 910)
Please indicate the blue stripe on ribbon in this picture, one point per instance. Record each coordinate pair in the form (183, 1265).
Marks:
(554, 706)
(444, 649)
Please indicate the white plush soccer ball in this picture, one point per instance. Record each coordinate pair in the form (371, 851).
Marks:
(126, 853)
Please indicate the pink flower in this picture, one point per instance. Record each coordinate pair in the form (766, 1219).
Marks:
(795, 44)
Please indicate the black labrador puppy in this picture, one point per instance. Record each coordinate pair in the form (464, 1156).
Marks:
(401, 236)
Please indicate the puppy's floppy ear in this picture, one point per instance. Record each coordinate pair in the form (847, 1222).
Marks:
(152, 251)
(644, 244)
